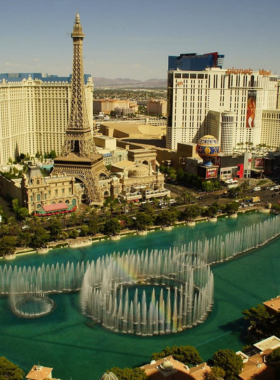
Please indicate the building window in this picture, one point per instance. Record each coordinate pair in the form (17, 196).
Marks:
(38, 197)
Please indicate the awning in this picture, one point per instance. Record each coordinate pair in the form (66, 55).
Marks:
(56, 207)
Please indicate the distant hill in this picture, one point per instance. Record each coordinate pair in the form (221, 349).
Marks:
(129, 83)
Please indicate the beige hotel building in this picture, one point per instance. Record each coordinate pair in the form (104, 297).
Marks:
(216, 101)
(34, 111)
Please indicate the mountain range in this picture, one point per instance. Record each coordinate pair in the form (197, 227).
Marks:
(129, 83)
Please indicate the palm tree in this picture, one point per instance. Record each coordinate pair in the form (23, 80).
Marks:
(73, 218)
(13, 225)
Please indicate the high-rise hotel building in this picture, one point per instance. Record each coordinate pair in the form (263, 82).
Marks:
(207, 99)
(34, 110)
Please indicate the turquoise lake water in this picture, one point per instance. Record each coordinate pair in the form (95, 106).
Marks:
(64, 340)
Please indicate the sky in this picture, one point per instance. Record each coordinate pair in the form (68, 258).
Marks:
(133, 39)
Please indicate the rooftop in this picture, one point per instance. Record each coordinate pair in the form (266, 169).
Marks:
(268, 344)
(273, 304)
(155, 370)
(256, 366)
(55, 207)
(38, 372)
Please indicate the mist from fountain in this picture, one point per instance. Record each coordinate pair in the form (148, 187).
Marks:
(28, 301)
(221, 248)
(188, 281)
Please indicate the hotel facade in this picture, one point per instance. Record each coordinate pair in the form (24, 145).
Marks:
(34, 111)
(226, 103)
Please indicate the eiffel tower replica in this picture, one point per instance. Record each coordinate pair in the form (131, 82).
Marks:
(79, 157)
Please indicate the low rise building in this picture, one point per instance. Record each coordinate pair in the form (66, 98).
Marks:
(39, 372)
(108, 105)
(270, 131)
(134, 182)
(169, 368)
(157, 107)
(39, 191)
(273, 305)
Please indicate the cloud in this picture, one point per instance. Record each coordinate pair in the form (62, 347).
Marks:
(12, 64)
(36, 59)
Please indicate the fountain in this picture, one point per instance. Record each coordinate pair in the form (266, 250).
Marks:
(188, 282)
(29, 302)
(182, 274)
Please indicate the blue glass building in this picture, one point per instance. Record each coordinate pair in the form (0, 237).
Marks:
(18, 77)
(194, 62)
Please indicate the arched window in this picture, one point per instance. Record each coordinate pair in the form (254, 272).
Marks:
(38, 207)
(74, 202)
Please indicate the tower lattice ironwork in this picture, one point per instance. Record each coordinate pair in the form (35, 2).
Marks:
(79, 157)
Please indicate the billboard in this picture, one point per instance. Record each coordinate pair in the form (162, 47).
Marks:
(259, 161)
(251, 108)
(211, 173)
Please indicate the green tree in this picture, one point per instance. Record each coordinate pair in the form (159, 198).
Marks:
(129, 373)
(84, 230)
(274, 356)
(112, 226)
(52, 154)
(13, 225)
(142, 221)
(64, 235)
(22, 213)
(73, 218)
(216, 373)
(207, 186)
(230, 362)
(148, 209)
(260, 319)
(39, 238)
(185, 354)
(23, 239)
(15, 204)
(73, 234)
(93, 226)
(210, 211)
(187, 196)
(167, 217)
(7, 245)
(10, 371)
(55, 228)
(191, 213)
(180, 174)
(232, 207)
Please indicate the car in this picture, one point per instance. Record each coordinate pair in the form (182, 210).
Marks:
(251, 204)
(256, 188)
(244, 206)
(272, 188)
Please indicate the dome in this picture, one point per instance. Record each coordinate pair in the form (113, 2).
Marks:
(138, 171)
(167, 365)
(109, 376)
(208, 148)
